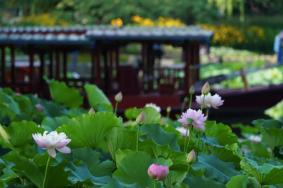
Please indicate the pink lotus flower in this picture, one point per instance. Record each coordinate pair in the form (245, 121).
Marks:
(193, 118)
(209, 101)
(51, 141)
(158, 172)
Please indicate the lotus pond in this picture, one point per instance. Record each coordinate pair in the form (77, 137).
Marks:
(59, 144)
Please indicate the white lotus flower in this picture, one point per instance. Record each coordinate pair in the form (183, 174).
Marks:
(209, 101)
(152, 105)
(52, 141)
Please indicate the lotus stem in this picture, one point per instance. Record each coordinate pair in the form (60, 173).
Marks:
(190, 99)
(45, 173)
(207, 113)
(137, 141)
(188, 140)
(116, 107)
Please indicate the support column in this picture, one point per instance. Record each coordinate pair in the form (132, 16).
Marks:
(41, 73)
(106, 71)
(97, 67)
(50, 69)
(65, 58)
(148, 65)
(3, 66)
(191, 58)
(13, 67)
(31, 70)
(110, 70)
(117, 63)
(57, 65)
(92, 69)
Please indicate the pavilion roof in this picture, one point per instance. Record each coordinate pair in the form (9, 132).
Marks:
(86, 34)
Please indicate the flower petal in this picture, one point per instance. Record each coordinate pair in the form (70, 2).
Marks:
(51, 152)
(64, 149)
(63, 143)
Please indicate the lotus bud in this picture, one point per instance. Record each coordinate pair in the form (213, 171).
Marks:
(168, 110)
(4, 135)
(39, 107)
(158, 172)
(140, 118)
(205, 88)
(91, 111)
(118, 97)
(192, 156)
(192, 90)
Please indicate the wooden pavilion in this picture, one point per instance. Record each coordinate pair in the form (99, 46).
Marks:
(103, 44)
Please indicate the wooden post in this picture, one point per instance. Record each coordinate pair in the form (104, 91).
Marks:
(196, 62)
(110, 70)
(117, 63)
(41, 72)
(31, 70)
(65, 58)
(92, 69)
(143, 66)
(106, 71)
(3, 66)
(57, 65)
(50, 64)
(97, 67)
(13, 67)
(148, 64)
(191, 58)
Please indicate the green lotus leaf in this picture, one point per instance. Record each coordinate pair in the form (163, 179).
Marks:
(221, 132)
(21, 132)
(159, 136)
(266, 173)
(132, 167)
(97, 99)
(90, 130)
(63, 94)
(242, 181)
(214, 168)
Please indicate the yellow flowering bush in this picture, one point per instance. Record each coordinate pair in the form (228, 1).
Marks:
(147, 22)
(42, 20)
(118, 22)
(224, 34)
(256, 31)
(228, 35)
(251, 37)
(160, 22)
(169, 22)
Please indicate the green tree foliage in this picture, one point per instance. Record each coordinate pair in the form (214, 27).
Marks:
(102, 11)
